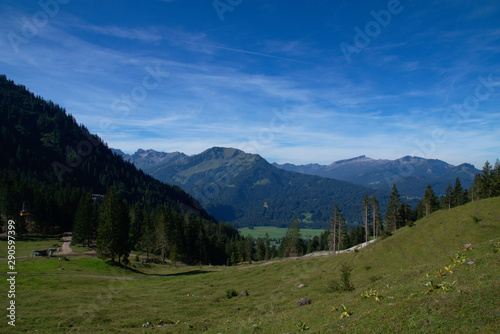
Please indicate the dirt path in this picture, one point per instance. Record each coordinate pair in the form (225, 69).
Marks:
(315, 254)
(67, 250)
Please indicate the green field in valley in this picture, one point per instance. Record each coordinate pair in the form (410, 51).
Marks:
(277, 232)
(439, 276)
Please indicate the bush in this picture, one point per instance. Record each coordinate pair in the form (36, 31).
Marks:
(230, 293)
(345, 270)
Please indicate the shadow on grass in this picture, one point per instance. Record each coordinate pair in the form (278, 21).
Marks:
(187, 273)
(33, 237)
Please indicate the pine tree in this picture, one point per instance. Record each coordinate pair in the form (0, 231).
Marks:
(147, 239)
(392, 217)
(291, 245)
(337, 238)
(137, 218)
(160, 233)
(114, 224)
(447, 199)
(458, 194)
(85, 221)
(267, 244)
(366, 214)
(376, 216)
(495, 186)
(249, 248)
(260, 249)
(431, 202)
(475, 188)
(344, 241)
(332, 238)
(486, 181)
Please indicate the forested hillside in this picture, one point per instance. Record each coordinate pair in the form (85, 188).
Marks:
(49, 164)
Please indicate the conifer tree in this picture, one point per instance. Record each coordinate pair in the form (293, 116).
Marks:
(344, 240)
(291, 243)
(114, 224)
(447, 198)
(249, 248)
(85, 221)
(430, 200)
(458, 194)
(486, 181)
(475, 188)
(376, 216)
(137, 218)
(495, 186)
(366, 214)
(392, 217)
(334, 235)
(260, 249)
(406, 214)
(161, 232)
(147, 239)
(267, 244)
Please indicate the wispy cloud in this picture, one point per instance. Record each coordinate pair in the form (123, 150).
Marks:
(222, 82)
(144, 35)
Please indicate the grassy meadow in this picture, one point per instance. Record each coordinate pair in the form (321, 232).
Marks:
(423, 279)
(26, 244)
(277, 232)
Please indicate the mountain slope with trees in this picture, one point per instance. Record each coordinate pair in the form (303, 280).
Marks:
(246, 190)
(50, 167)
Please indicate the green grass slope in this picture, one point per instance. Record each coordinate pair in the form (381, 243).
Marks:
(426, 280)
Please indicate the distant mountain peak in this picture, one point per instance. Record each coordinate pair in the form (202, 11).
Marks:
(412, 173)
(361, 158)
(227, 153)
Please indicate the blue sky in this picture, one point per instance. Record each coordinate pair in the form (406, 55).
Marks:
(294, 81)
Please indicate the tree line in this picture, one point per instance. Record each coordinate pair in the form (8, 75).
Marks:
(397, 215)
(116, 229)
(485, 185)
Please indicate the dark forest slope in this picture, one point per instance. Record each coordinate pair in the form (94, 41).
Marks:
(48, 160)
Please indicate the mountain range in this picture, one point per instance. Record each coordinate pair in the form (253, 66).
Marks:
(246, 190)
(411, 174)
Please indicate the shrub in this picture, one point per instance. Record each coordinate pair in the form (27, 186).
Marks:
(230, 293)
(345, 270)
(345, 280)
